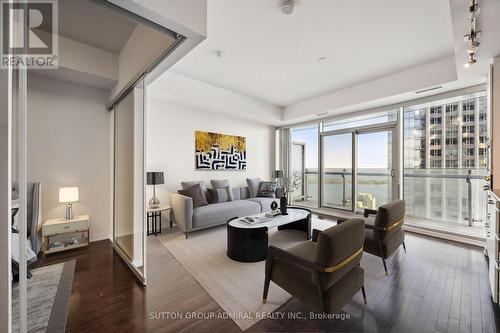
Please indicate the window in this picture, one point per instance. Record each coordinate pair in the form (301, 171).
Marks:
(365, 120)
(304, 162)
(468, 117)
(435, 132)
(453, 108)
(451, 141)
(468, 129)
(468, 141)
(468, 163)
(436, 152)
(432, 154)
(436, 164)
(435, 121)
(435, 142)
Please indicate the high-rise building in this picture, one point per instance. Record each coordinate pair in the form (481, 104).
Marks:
(444, 142)
(448, 134)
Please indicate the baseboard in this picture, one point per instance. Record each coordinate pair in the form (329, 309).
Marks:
(100, 238)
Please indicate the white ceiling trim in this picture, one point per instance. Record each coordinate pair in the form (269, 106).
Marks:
(181, 90)
(428, 75)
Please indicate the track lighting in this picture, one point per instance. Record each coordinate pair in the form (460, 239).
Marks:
(472, 38)
(472, 60)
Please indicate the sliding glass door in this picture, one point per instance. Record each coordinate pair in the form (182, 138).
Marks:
(375, 170)
(358, 167)
(336, 174)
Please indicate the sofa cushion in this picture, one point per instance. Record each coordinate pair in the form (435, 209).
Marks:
(253, 186)
(222, 195)
(265, 203)
(267, 190)
(216, 196)
(186, 185)
(236, 193)
(222, 212)
(219, 183)
(229, 193)
(196, 194)
(244, 193)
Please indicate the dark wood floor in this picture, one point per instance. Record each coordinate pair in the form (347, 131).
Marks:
(437, 286)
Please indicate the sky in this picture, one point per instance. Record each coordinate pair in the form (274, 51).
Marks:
(372, 149)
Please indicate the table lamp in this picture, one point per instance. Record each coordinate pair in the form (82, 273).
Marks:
(154, 178)
(68, 195)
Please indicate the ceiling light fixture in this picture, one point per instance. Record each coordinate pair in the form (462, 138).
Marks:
(321, 58)
(472, 60)
(287, 6)
(472, 37)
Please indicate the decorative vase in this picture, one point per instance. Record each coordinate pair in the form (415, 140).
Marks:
(283, 205)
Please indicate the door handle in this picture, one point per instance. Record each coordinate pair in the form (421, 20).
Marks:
(393, 173)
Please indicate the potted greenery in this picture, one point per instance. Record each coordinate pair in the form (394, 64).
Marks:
(286, 185)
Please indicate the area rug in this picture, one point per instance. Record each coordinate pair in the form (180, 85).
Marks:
(49, 291)
(236, 287)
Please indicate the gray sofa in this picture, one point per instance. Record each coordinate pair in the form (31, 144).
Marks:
(189, 219)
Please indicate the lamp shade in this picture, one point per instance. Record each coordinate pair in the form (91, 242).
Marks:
(68, 194)
(154, 178)
(278, 174)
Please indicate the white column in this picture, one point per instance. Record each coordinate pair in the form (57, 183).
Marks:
(495, 121)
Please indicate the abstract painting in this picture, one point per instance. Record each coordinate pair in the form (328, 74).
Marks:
(216, 151)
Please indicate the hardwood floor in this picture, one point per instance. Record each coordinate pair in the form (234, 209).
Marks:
(437, 286)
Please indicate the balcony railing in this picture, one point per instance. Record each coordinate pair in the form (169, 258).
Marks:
(441, 195)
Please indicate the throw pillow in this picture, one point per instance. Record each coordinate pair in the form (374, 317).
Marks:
(267, 190)
(218, 195)
(186, 185)
(217, 184)
(253, 186)
(195, 192)
(229, 193)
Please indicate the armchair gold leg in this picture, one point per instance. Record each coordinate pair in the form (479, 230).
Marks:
(263, 301)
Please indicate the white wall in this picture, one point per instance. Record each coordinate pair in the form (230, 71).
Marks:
(69, 144)
(170, 145)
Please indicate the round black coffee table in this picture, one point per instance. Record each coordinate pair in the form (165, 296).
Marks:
(249, 243)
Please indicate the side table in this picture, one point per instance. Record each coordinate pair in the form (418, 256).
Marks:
(154, 217)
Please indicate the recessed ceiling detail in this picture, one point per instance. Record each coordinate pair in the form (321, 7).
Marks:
(271, 56)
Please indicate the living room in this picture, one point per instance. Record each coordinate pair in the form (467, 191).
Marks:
(259, 166)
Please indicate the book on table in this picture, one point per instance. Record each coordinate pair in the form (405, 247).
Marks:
(251, 220)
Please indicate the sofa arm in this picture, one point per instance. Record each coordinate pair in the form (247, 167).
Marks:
(182, 208)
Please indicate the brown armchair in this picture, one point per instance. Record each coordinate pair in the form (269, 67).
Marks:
(324, 272)
(384, 235)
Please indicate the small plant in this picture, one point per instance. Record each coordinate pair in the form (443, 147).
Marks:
(289, 184)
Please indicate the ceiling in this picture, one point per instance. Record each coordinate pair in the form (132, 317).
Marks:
(273, 57)
(88, 23)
